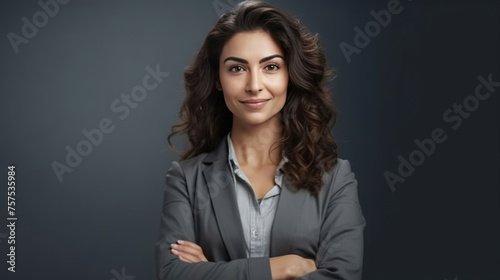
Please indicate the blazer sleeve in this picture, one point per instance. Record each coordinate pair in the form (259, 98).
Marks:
(177, 223)
(340, 253)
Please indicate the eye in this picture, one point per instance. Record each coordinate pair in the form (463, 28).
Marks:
(272, 67)
(236, 68)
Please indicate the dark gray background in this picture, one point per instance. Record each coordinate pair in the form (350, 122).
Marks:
(441, 223)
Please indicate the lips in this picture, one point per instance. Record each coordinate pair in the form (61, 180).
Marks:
(255, 103)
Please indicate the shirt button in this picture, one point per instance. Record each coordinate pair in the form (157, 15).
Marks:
(255, 233)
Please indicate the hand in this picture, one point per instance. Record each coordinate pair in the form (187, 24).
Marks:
(301, 266)
(291, 266)
(188, 252)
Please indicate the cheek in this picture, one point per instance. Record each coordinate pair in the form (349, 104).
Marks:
(227, 100)
(282, 101)
(279, 85)
(230, 98)
(232, 85)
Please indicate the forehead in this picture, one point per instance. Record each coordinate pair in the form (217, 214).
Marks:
(251, 45)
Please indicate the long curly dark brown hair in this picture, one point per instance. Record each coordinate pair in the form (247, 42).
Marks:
(308, 115)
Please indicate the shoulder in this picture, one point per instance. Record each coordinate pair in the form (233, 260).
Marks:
(193, 166)
(338, 178)
(339, 170)
(342, 165)
(188, 166)
(193, 162)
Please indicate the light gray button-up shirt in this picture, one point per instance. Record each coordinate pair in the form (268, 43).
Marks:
(256, 216)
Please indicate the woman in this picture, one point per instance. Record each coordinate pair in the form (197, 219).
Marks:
(260, 194)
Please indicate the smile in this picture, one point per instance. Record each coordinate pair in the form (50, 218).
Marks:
(255, 103)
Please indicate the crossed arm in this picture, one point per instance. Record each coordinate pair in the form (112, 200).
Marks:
(284, 267)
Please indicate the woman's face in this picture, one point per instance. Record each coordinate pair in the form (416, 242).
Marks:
(253, 77)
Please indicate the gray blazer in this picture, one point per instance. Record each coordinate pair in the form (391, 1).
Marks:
(200, 206)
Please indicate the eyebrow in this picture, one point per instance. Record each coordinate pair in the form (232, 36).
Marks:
(237, 59)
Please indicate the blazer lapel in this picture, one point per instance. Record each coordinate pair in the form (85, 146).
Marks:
(290, 203)
(223, 196)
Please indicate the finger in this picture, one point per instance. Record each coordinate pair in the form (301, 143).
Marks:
(195, 251)
(187, 254)
(174, 252)
(183, 256)
(189, 258)
(189, 244)
(198, 250)
(190, 250)
(184, 259)
(192, 254)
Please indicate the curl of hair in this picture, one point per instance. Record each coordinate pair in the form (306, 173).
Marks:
(308, 115)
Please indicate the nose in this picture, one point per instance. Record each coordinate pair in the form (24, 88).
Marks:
(254, 83)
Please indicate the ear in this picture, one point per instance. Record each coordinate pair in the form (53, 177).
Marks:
(217, 85)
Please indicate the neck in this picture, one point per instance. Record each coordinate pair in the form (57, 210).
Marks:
(253, 143)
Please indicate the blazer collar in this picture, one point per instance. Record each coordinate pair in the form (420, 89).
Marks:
(220, 185)
(219, 181)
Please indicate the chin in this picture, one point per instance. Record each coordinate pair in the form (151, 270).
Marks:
(256, 120)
